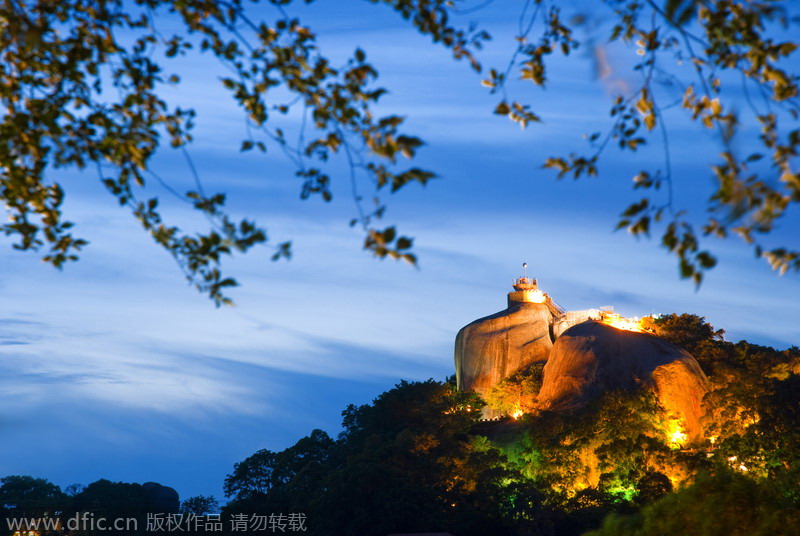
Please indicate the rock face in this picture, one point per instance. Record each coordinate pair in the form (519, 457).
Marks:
(591, 357)
(494, 347)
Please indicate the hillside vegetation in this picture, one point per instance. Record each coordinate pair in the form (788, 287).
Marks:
(419, 459)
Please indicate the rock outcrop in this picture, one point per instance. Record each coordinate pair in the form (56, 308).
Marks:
(592, 357)
(494, 347)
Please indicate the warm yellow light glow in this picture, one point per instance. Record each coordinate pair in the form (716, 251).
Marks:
(712, 439)
(733, 460)
(678, 437)
(534, 296)
(675, 433)
(517, 414)
(616, 321)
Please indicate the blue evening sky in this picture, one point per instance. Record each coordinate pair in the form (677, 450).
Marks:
(114, 368)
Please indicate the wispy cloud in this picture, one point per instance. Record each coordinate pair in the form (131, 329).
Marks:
(137, 377)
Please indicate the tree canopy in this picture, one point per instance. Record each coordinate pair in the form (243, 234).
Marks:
(81, 86)
(419, 459)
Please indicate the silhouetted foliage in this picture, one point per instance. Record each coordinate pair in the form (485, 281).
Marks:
(419, 459)
(84, 82)
(35, 496)
(725, 503)
(86, 512)
(200, 505)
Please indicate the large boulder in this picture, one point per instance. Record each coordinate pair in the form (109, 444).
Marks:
(592, 357)
(495, 347)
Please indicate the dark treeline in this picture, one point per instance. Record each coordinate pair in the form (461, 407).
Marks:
(418, 459)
